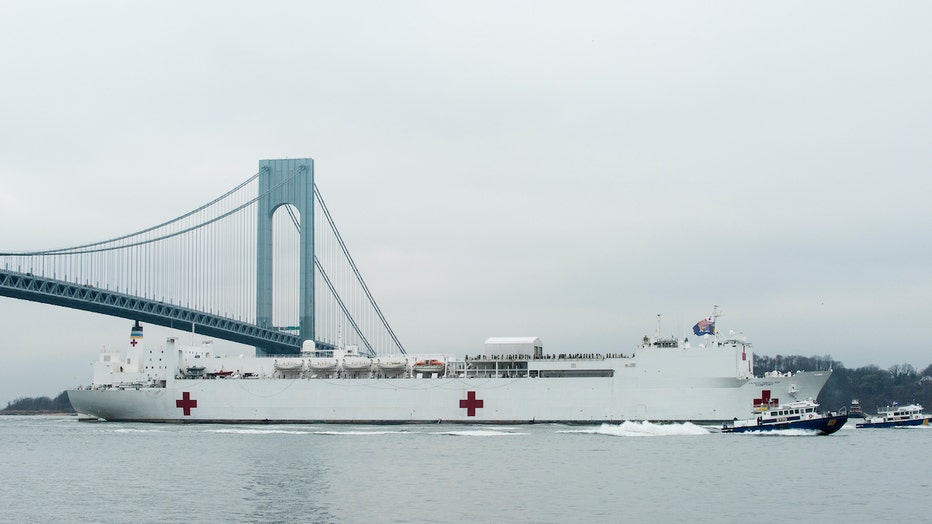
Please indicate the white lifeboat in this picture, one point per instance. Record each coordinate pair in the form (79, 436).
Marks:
(357, 363)
(392, 364)
(289, 365)
(428, 366)
(323, 364)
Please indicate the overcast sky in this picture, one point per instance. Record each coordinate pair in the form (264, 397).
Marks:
(566, 170)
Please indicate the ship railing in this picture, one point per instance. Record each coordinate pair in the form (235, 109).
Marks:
(549, 356)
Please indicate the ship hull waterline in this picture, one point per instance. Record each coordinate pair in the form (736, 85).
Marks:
(448, 400)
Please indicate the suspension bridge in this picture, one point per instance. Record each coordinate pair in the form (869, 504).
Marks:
(263, 264)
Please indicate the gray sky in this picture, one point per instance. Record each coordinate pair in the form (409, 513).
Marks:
(559, 169)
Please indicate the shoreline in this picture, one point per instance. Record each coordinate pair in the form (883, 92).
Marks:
(37, 412)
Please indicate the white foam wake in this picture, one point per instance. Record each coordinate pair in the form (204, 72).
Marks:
(783, 433)
(644, 429)
(481, 433)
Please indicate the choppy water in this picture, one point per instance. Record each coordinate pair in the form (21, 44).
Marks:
(56, 469)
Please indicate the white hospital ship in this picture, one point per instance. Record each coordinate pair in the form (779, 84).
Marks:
(514, 380)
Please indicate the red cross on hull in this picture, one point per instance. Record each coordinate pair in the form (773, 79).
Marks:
(186, 403)
(471, 404)
(765, 399)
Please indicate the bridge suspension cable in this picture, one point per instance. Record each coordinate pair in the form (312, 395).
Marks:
(362, 283)
(352, 263)
(82, 248)
(204, 261)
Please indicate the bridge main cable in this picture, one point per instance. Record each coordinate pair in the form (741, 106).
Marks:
(352, 264)
(81, 249)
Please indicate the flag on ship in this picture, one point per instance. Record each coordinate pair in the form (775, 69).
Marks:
(705, 326)
(135, 334)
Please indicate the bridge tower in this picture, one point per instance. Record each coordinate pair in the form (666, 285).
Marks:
(281, 182)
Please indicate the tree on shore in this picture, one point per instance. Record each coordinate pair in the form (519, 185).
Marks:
(59, 404)
(872, 386)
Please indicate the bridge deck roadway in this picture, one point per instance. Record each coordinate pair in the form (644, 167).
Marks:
(26, 286)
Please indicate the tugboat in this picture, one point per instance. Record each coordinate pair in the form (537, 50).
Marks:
(896, 416)
(855, 410)
(771, 415)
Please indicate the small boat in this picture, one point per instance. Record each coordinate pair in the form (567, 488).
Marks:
(855, 410)
(289, 365)
(219, 374)
(323, 364)
(392, 364)
(428, 366)
(896, 416)
(355, 364)
(194, 372)
(794, 415)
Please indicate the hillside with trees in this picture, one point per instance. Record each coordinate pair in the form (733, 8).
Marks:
(872, 386)
(32, 405)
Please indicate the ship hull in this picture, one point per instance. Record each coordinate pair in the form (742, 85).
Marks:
(824, 426)
(896, 423)
(586, 400)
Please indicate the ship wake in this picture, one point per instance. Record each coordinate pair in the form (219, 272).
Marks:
(644, 429)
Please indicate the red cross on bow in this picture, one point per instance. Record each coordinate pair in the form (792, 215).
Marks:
(471, 404)
(186, 403)
(765, 399)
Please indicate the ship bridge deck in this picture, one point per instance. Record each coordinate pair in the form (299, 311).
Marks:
(521, 366)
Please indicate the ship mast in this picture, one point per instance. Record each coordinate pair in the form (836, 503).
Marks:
(715, 314)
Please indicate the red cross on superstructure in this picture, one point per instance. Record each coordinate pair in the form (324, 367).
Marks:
(186, 403)
(132, 342)
(471, 404)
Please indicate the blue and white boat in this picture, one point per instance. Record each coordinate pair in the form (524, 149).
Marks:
(896, 416)
(804, 415)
